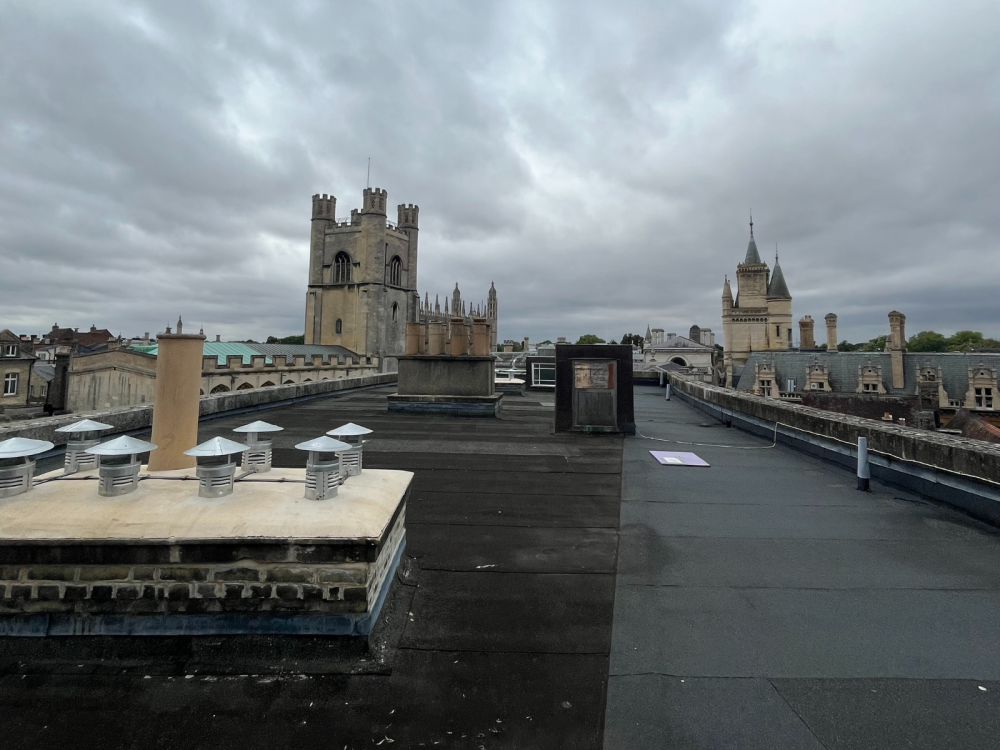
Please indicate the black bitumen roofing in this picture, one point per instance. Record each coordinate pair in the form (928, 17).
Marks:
(504, 639)
(843, 368)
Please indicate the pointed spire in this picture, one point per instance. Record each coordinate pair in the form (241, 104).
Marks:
(751, 223)
(180, 324)
(445, 305)
(777, 288)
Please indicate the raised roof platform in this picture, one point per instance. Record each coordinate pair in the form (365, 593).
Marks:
(162, 560)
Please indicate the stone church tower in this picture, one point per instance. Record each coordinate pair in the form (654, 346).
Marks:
(760, 318)
(362, 277)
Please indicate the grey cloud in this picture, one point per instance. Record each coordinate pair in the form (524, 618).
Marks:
(596, 162)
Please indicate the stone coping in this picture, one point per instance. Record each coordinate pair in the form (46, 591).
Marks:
(169, 511)
(975, 459)
(129, 418)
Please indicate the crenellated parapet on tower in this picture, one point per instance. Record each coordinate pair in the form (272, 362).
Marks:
(362, 276)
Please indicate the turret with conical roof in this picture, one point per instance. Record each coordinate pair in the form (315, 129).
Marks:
(760, 317)
(777, 288)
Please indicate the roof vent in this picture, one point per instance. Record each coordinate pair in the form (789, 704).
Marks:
(17, 468)
(350, 460)
(119, 465)
(84, 435)
(215, 471)
(257, 457)
(323, 470)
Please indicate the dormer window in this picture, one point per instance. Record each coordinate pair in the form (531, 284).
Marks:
(10, 350)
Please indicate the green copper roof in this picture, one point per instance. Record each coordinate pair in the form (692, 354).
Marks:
(752, 255)
(218, 349)
(778, 288)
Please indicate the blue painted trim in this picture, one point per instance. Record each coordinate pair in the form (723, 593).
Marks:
(215, 623)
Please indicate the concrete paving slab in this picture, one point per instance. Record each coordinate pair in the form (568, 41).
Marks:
(658, 711)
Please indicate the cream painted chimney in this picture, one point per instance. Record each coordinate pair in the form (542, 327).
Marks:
(176, 398)
(831, 332)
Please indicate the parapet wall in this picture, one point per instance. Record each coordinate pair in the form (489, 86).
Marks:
(956, 470)
(129, 418)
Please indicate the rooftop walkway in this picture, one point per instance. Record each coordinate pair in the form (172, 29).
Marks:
(765, 603)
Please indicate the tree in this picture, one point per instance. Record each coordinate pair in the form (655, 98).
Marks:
(287, 340)
(876, 344)
(927, 341)
(589, 338)
(543, 343)
(964, 341)
(633, 339)
(847, 346)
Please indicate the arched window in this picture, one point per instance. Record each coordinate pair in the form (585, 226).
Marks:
(396, 271)
(220, 389)
(245, 387)
(679, 361)
(342, 268)
(339, 327)
(395, 309)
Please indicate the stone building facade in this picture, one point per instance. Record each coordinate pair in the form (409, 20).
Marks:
(126, 377)
(940, 381)
(459, 309)
(362, 276)
(16, 361)
(760, 317)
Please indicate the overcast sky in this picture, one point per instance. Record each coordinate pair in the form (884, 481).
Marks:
(596, 160)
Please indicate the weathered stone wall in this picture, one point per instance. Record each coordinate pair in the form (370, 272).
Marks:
(137, 417)
(974, 458)
(860, 405)
(146, 578)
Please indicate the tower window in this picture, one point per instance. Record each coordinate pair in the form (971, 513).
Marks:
(342, 268)
(396, 271)
(395, 310)
(339, 327)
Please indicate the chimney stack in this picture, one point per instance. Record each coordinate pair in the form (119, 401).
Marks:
(831, 332)
(176, 398)
(806, 338)
(896, 346)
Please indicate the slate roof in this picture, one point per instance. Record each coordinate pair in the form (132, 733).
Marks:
(843, 369)
(224, 349)
(678, 342)
(778, 288)
(752, 255)
(307, 349)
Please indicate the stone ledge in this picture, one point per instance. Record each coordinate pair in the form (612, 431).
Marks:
(129, 418)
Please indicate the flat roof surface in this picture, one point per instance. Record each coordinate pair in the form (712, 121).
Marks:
(164, 509)
(764, 602)
(512, 532)
(761, 602)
